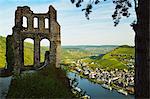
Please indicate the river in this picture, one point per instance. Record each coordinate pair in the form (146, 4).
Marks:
(96, 91)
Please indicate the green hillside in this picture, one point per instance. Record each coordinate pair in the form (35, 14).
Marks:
(28, 52)
(121, 57)
(2, 51)
(123, 51)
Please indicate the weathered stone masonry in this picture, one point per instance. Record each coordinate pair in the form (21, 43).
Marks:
(15, 42)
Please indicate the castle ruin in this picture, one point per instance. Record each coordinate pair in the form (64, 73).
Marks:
(15, 42)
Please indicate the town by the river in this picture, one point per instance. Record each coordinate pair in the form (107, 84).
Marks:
(94, 90)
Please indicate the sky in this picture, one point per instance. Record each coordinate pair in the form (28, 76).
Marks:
(75, 28)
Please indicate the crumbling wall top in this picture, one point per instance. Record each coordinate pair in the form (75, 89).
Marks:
(23, 7)
(35, 22)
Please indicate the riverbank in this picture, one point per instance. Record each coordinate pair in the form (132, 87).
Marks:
(46, 83)
(94, 90)
(108, 86)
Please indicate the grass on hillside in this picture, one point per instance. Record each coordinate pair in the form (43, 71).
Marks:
(2, 51)
(120, 54)
(110, 64)
(127, 51)
(47, 83)
(28, 53)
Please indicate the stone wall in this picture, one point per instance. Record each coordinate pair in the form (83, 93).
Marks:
(9, 52)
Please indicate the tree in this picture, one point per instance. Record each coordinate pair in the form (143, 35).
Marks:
(142, 37)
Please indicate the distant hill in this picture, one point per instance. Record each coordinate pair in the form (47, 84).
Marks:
(73, 53)
(121, 57)
(28, 52)
(126, 52)
(89, 46)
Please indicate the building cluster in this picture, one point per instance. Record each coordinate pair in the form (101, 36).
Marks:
(116, 78)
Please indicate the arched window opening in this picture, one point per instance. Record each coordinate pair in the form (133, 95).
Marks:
(46, 23)
(44, 46)
(24, 22)
(28, 51)
(35, 22)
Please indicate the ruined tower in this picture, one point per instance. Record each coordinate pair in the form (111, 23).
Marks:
(15, 42)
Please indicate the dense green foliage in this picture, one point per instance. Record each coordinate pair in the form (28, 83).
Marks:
(47, 83)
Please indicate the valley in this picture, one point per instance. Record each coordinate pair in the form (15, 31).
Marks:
(112, 66)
